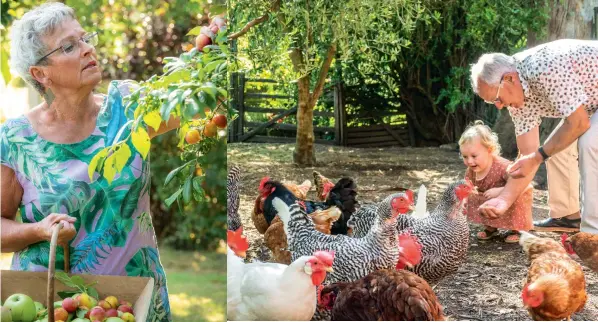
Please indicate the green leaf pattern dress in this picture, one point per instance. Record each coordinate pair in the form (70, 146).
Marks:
(115, 235)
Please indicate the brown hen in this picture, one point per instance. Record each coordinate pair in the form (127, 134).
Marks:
(555, 287)
(386, 295)
(584, 245)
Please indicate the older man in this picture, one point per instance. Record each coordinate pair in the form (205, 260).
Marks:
(559, 80)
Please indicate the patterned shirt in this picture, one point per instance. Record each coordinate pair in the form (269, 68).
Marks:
(557, 78)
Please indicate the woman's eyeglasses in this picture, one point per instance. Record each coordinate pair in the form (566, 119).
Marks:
(72, 46)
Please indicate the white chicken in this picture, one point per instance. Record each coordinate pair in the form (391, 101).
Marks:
(271, 291)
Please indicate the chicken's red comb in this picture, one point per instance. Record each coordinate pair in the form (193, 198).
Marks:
(564, 237)
(327, 257)
(409, 193)
(235, 239)
(263, 182)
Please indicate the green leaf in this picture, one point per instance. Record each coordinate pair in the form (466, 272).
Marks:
(122, 155)
(187, 190)
(153, 119)
(191, 109)
(81, 313)
(195, 31)
(172, 198)
(96, 162)
(65, 294)
(78, 280)
(65, 279)
(4, 65)
(141, 141)
(173, 173)
(174, 99)
(93, 292)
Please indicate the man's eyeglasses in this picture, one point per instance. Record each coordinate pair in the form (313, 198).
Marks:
(72, 46)
(497, 99)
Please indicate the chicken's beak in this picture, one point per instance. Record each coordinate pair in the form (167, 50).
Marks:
(329, 269)
(242, 254)
(411, 207)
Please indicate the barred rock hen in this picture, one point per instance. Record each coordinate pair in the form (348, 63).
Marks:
(276, 240)
(443, 234)
(585, 246)
(384, 295)
(323, 185)
(354, 257)
(342, 195)
(233, 220)
(555, 287)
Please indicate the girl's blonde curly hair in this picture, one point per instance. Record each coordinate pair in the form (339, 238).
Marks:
(482, 131)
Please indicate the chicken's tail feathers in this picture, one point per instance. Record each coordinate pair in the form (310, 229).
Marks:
(421, 205)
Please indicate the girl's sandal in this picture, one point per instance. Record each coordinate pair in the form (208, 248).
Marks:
(512, 237)
(487, 234)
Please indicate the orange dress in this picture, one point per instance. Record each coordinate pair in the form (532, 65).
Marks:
(517, 217)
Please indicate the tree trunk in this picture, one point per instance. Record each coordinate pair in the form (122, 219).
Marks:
(304, 153)
(565, 22)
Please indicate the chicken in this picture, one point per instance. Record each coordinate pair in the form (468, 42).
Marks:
(270, 291)
(384, 295)
(342, 195)
(236, 249)
(585, 246)
(233, 220)
(276, 239)
(323, 185)
(299, 190)
(555, 287)
(355, 257)
(443, 234)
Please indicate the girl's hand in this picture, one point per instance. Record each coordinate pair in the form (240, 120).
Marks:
(492, 193)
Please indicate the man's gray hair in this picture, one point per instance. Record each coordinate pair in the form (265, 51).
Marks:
(26, 46)
(490, 68)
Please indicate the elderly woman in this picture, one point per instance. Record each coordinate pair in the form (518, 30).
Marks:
(44, 156)
(557, 80)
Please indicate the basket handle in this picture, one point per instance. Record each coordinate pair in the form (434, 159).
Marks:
(52, 268)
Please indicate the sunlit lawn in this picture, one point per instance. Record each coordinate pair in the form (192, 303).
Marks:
(196, 283)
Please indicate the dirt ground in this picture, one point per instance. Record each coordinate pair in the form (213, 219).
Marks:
(486, 287)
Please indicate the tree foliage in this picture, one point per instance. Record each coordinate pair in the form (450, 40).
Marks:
(148, 41)
(309, 35)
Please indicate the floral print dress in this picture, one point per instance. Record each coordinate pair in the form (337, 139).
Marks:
(115, 235)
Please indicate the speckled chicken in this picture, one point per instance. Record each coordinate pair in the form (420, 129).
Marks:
(233, 220)
(443, 234)
(354, 257)
(555, 286)
(276, 239)
(585, 246)
(383, 295)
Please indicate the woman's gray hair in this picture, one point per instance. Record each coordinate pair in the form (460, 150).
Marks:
(26, 46)
(490, 68)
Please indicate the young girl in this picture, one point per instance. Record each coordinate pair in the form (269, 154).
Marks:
(488, 172)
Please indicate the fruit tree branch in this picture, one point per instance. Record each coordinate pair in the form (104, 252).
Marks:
(275, 7)
(323, 73)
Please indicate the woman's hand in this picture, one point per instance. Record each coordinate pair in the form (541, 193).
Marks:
(493, 192)
(65, 234)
